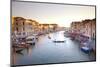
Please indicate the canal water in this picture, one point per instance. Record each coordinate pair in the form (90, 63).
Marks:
(46, 51)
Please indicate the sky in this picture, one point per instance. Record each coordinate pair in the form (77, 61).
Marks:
(59, 14)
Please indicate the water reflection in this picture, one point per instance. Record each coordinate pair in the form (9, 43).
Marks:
(30, 49)
(14, 58)
(46, 51)
(20, 53)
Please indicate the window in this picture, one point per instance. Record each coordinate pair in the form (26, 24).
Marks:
(23, 28)
(23, 23)
(17, 28)
(16, 23)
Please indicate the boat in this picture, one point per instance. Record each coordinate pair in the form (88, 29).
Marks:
(59, 41)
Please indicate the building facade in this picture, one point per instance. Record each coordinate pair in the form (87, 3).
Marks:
(86, 27)
(22, 27)
(19, 26)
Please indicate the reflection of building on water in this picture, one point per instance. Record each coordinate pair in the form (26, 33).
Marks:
(29, 50)
(14, 58)
(46, 51)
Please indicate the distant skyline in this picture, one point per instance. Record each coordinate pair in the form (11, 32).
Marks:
(62, 15)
